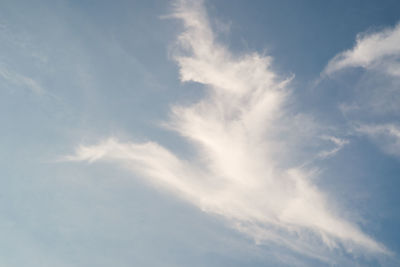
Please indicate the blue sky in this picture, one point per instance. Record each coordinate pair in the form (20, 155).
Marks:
(190, 133)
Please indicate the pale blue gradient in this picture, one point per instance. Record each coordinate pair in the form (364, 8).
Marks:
(75, 72)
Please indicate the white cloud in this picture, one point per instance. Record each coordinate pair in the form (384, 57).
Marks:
(248, 144)
(379, 51)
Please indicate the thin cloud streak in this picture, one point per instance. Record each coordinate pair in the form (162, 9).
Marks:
(21, 80)
(247, 141)
(339, 144)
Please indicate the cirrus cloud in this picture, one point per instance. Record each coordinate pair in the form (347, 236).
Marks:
(249, 145)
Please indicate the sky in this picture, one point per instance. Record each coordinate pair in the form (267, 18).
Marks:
(199, 133)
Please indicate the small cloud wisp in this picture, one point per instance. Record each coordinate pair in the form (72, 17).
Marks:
(379, 51)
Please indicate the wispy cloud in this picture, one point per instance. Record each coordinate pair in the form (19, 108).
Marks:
(247, 141)
(379, 51)
(374, 109)
(338, 142)
(387, 136)
(20, 80)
